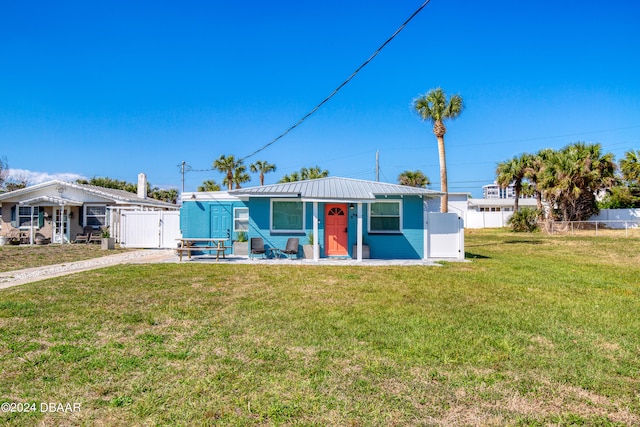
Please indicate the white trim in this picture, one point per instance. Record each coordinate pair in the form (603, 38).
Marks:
(237, 208)
(85, 216)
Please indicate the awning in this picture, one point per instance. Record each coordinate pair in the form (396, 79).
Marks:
(50, 201)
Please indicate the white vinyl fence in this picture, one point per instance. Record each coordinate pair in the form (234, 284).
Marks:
(444, 235)
(149, 229)
(476, 219)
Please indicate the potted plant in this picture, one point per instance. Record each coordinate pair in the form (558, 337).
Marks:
(307, 250)
(366, 254)
(107, 242)
(241, 244)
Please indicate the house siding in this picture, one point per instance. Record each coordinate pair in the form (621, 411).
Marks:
(198, 218)
(408, 245)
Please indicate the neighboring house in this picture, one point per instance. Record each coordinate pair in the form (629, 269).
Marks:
(499, 205)
(495, 191)
(393, 220)
(60, 210)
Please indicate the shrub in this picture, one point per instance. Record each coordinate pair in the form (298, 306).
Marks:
(524, 220)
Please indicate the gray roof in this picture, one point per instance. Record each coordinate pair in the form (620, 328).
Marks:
(117, 196)
(334, 188)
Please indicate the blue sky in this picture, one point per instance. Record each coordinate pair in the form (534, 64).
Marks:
(117, 88)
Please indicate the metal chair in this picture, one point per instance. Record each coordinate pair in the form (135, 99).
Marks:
(257, 247)
(292, 248)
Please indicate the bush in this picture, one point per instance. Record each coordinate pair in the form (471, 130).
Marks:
(524, 220)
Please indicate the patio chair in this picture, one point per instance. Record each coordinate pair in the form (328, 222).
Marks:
(84, 236)
(257, 247)
(292, 247)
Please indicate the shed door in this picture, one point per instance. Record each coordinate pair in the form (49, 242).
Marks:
(220, 221)
(335, 220)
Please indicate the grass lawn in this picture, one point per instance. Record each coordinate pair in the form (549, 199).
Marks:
(536, 330)
(27, 256)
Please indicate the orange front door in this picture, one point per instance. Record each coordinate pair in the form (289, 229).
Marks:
(335, 223)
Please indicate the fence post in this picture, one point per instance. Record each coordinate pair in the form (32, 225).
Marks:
(596, 228)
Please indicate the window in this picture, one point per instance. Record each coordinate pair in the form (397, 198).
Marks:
(24, 217)
(240, 219)
(95, 215)
(384, 217)
(287, 216)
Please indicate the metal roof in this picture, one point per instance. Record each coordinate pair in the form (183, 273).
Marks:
(334, 188)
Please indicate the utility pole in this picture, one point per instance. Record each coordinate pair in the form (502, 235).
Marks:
(377, 166)
(183, 164)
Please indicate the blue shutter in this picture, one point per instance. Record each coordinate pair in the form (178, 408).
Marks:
(14, 216)
(40, 217)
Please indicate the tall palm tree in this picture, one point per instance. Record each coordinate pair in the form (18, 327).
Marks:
(263, 167)
(512, 171)
(209, 185)
(413, 179)
(227, 165)
(435, 107)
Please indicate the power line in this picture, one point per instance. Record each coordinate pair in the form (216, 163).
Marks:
(364, 64)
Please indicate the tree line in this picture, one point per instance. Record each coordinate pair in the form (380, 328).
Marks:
(576, 181)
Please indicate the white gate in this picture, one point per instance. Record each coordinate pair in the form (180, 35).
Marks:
(149, 229)
(444, 235)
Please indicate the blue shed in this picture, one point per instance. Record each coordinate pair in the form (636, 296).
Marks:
(213, 214)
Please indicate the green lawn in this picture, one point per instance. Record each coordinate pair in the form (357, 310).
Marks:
(28, 256)
(534, 331)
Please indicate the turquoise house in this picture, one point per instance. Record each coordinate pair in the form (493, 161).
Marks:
(343, 217)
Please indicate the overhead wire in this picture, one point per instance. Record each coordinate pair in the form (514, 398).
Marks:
(344, 83)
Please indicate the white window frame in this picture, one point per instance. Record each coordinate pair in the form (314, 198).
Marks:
(86, 216)
(304, 215)
(400, 219)
(32, 210)
(237, 219)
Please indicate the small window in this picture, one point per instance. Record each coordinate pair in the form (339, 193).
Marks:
(385, 217)
(287, 216)
(95, 215)
(241, 219)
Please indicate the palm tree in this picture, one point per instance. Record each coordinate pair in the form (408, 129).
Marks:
(533, 170)
(263, 167)
(413, 179)
(240, 176)
(512, 171)
(209, 185)
(306, 174)
(435, 107)
(313, 173)
(630, 167)
(572, 176)
(294, 177)
(227, 165)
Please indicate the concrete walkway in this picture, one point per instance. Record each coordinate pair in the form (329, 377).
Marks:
(147, 256)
